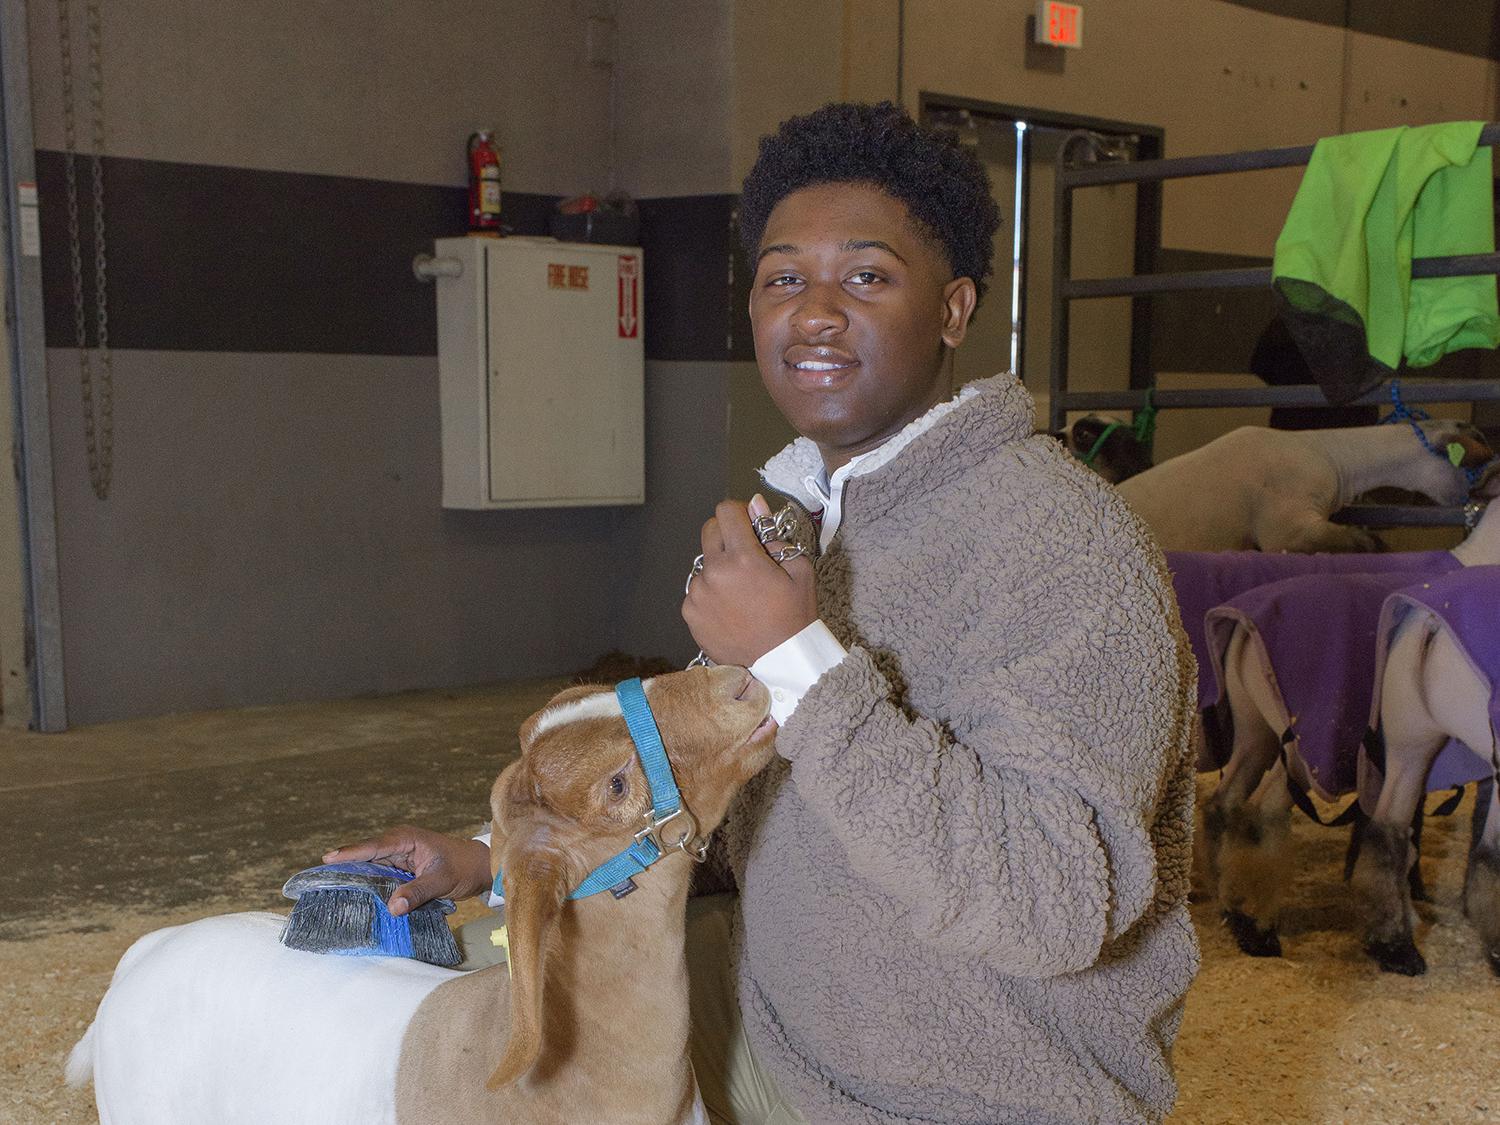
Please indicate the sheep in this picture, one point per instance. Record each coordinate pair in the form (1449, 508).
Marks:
(216, 1021)
(1108, 446)
(1274, 490)
(1252, 733)
(1440, 680)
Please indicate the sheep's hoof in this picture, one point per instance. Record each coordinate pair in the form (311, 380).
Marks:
(1415, 885)
(1251, 939)
(1397, 957)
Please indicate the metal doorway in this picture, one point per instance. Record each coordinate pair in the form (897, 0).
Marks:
(1021, 148)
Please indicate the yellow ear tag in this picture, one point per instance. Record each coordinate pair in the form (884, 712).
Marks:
(500, 937)
(1455, 453)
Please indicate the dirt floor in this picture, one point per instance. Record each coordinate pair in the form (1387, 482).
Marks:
(97, 855)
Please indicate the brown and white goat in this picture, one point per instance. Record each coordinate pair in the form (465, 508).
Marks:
(1274, 490)
(217, 1021)
(1430, 692)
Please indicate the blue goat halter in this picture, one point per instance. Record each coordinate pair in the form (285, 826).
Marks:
(617, 875)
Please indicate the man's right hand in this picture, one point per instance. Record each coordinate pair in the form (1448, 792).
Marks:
(444, 866)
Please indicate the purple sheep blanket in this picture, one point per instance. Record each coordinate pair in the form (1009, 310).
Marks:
(1466, 605)
(1205, 579)
(1316, 635)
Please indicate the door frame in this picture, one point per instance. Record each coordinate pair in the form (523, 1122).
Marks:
(1152, 146)
(31, 665)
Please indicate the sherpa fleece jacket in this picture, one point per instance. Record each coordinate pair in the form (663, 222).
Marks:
(963, 882)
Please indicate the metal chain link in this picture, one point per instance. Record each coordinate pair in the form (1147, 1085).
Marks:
(99, 435)
(790, 527)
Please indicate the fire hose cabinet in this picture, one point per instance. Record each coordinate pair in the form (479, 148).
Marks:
(541, 372)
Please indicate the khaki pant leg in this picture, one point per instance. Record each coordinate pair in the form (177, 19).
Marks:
(736, 1089)
(474, 942)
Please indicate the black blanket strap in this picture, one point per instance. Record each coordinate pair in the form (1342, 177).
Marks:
(1299, 794)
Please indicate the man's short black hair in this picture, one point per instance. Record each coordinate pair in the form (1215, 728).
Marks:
(942, 184)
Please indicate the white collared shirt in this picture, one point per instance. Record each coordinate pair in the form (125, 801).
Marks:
(792, 667)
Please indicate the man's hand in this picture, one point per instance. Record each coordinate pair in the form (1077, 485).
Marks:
(745, 603)
(444, 866)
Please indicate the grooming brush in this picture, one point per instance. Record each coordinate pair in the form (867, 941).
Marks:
(341, 909)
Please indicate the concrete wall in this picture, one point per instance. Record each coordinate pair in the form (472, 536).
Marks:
(275, 531)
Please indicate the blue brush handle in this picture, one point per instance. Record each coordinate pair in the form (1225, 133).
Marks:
(377, 878)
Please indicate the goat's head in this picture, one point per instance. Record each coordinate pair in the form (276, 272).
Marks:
(578, 795)
(1118, 457)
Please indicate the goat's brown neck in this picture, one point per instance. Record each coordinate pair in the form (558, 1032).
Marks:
(615, 1024)
(617, 995)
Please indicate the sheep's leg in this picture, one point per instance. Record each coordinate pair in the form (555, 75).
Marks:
(1312, 534)
(1455, 704)
(1482, 884)
(1381, 876)
(1247, 821)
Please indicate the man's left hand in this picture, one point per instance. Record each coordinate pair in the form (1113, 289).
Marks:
(744, 603)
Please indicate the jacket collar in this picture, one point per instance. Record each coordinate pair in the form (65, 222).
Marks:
(983, 415)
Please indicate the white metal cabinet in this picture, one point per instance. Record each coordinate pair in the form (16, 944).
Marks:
(541, 367)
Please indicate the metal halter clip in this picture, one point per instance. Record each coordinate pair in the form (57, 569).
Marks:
(689, 842)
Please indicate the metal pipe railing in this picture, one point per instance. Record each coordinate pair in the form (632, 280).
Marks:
(1487, 390)
(1145, 173)
(1182, 167)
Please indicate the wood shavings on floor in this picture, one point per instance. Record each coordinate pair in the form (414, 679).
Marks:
(1317, 1036)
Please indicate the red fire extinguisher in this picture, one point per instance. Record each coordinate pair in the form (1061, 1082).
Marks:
(484, 182)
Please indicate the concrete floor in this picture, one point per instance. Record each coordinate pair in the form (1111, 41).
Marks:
(157, 814)
(112, 831)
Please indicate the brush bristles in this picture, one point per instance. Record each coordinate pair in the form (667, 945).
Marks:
(356, 922)
(431, 939)
(332, 921)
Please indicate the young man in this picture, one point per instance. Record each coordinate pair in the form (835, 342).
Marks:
(963, 882)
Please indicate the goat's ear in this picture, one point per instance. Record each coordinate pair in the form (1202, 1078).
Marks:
(536, 883)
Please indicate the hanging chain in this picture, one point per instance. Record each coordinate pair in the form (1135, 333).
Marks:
(99, 436)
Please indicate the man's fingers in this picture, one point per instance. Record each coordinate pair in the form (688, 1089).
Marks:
(712, 538)
(395, 845)
(424, 888)
(365, 851)
(734, 525)
(799, 568)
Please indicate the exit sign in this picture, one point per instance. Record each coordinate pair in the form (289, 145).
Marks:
(1059, 25)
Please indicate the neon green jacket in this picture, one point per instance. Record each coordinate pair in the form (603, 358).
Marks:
(1368, 204)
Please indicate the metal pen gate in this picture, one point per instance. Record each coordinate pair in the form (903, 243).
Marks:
(1140, 286)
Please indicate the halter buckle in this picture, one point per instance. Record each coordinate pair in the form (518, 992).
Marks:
(688, 841)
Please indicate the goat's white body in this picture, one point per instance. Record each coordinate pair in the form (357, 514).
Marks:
(217, 1021)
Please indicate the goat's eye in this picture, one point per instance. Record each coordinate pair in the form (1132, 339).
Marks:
(617, 786)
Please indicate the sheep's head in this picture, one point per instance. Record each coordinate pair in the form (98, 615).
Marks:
(1473, 452)
(1120, 457)
(578, 795)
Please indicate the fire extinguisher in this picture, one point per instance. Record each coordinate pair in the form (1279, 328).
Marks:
(484, 182)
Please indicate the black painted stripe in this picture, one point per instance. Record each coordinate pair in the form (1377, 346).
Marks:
(686, 241)
(1467, 27)
(210, 258)
(1217, 330)
(1212, 330)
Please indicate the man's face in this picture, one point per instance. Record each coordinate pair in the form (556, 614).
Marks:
(852, 306)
